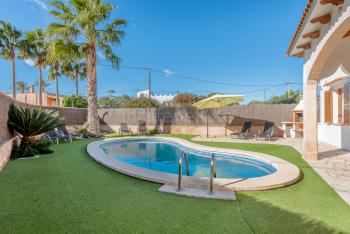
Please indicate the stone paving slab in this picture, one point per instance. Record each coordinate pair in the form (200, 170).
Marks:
(198, 193)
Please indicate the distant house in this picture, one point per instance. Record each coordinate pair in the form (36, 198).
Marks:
(31, 97)
(164, 99)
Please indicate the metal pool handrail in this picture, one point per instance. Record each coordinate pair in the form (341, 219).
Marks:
(183, 156)
(212, 173)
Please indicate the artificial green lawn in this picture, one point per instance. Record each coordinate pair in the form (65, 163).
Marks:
(70, 192)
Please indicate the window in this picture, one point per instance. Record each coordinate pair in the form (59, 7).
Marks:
(340, 106)
(347, 104)
(328, 107)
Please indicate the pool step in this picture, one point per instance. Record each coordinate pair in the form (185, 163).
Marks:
(198, 193)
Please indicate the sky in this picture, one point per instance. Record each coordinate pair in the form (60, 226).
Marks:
(220, 41)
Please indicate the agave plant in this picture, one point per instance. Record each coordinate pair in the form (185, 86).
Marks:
(30, 125)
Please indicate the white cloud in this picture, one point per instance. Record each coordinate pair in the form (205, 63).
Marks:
(29, 62)
(168, 72)
(39, 3)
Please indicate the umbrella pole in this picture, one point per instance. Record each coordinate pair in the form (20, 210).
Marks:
(207, 123)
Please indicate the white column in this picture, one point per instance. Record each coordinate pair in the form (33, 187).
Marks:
(310, 150)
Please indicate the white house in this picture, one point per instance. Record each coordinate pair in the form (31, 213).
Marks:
(334, 123)
(322, 39)
(160, 98)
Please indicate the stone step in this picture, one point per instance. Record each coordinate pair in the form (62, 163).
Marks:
(198, 193)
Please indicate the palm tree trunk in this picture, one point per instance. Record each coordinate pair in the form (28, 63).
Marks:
(57, 94)
(13, 74)
(40, 84)
(92, 115)
(76, 82)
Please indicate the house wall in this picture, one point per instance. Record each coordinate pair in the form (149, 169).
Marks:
(335, 135)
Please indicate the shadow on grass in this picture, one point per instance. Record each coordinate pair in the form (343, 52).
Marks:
(264, 217)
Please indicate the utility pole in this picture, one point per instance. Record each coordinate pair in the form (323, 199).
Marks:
(149, 83)
(288, 89)
(264, 95)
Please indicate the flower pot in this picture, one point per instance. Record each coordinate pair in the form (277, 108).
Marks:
(32, 138)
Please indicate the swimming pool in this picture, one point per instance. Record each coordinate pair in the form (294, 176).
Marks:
(163, 155)
(156, 159)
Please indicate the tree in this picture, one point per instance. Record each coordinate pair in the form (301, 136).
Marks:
(293, 97)
(185, 99)
(87, 21)
(11, 43)
(142, 102)
(114, 102)
(22, 86)
(79, 68)
(44, 85)
(74, 101)
(58, 63)
(54, 74)
(35, 48)
(111, 92)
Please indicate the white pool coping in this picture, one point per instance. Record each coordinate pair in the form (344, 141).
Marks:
(286, 173)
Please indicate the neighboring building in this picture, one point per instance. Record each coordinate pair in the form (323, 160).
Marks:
(322, 39)
(164, 99)
(31, 97)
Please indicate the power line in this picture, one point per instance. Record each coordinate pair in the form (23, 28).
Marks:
(192, 78)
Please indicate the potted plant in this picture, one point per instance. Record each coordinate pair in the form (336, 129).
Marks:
(30, 126)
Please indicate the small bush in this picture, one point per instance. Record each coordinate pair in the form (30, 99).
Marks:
(152, 131)
(30, 149)
(29, 126)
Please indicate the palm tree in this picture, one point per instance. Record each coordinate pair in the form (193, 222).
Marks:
(111, 92)
(79, 73)
(87, 22)
(11, 43)
(55, 60)
(54, 74)
(22, 86)
(35, 48)
(44, 85)
(1, 41)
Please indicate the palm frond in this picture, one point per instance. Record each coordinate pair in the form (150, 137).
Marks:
(32, 123)
(108, 53)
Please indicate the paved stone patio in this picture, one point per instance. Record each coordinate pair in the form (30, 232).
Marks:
(333, 166)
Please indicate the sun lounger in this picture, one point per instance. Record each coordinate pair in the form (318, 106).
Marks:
(124, 129)
(62, 131)
(142, 128)
(55, 137)
(247, 126)
(267, 132)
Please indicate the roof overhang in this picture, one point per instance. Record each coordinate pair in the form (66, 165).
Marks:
(316, 14)
(337, 80)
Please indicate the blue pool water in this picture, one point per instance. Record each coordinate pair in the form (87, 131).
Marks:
(163, 155)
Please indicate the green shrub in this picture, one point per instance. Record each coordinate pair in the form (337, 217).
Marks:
(22, 149)
(73, 101)
(153, 131)
(30, 125)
